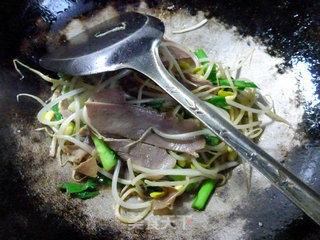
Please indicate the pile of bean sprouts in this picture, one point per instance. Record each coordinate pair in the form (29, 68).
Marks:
(243, 112)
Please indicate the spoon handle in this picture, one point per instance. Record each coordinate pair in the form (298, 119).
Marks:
(289, 184)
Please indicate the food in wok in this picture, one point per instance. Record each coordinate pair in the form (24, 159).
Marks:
(121, 129)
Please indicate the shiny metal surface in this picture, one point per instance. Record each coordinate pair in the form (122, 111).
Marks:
(109, 46)
(137, 48)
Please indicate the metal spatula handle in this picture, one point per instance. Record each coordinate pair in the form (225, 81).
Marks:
(289, 184)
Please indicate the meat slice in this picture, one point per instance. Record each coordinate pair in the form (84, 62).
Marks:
(177, 53)
(196, 80)
(75, 154)
(109, 96)
(132, 122)
(88, 168)
(142, 154)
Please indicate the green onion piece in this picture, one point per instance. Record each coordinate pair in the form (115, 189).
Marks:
(71, 187)
(211, 140)
(57, 114)
(241, 85)
(156, 104)
(83, 190)
(85, 194)
(200, 53)
(107, 156)
(213, 74)
(219, 101)
(203, 195)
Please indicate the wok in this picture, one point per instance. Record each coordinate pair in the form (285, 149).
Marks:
(285, 65)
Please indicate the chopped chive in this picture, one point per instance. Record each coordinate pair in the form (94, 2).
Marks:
(213, 74)
(107, 156)
(57, 114)
(85, 190)
(211, 140)
(71, 187)
(241, 85)
(203, 195)
(200, 53)
(219, 101)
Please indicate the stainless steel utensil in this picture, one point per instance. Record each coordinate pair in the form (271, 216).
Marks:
(131, 40)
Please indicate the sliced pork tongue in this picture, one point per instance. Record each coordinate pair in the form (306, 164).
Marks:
(142, 154)
(109, 95)
(180, 55)
(193, 78)
(177, 53)
(133, 121)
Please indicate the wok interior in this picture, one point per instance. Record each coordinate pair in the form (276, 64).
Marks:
(42, 175)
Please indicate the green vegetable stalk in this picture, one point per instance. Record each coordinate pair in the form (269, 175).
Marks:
(85, 190)
(107, 156)
(211, 140)
(57, 114)
(71, 187)
(203, 195)
(200, 53)
(241, 85)
(219, 101)
(81, 190)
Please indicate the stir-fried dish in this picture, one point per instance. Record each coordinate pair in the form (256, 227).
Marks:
(121, 129)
